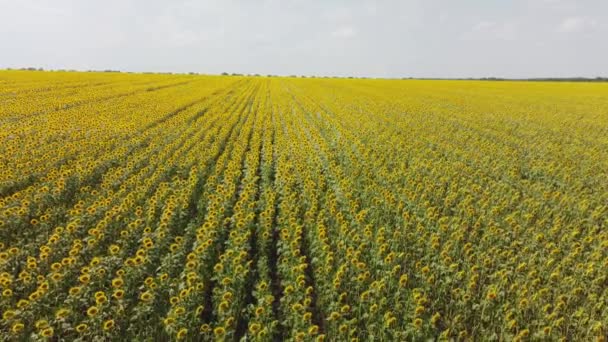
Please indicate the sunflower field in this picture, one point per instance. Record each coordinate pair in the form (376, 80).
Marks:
(200, 208)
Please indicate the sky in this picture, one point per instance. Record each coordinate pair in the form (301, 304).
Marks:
(408, 38)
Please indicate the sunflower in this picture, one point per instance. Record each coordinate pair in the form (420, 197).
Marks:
(182, 333)
(62, 313)
(17, 328)
(101, 300)
(85, 278)
(80, 328)
(117, 282)
(108, 325)
(254, 328)
(75, 290)
(224, 305)
(118, 294)
(47, 332)
(146, 296)
(219, 332)
(313, 330)
(92, 311)
(114, 249)
(403, 280)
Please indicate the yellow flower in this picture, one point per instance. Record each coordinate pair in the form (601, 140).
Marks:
(85, 278)
(179, 311)
(48, 332)
(219, 331)
(114, 249)
(117, 282)
(146, 296)
(199, 310)
(34, 295)
(224, 306)
(101, 300)
(75, 290)
(418, 323)
(17, 328)
(254, 328)
(92, 311)
(118, 294)
(181, 334)
(435, 319)
(41, 324)
(80, 328)
(313, 330)
(62, 313)
(403, 280)
(108, 325)
(8, 314)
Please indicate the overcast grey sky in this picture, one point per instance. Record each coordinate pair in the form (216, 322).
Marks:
(419, 38)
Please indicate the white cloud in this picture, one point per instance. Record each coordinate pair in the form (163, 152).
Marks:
(438, 38)
(344, 32)
(484, 26)
(489, 30)
(577, 24)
